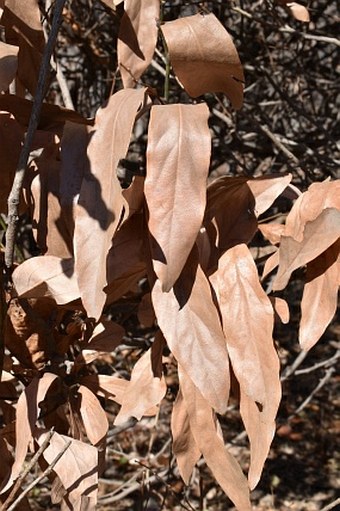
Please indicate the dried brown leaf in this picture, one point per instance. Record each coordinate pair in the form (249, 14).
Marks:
(110, 387)
(8, 64)
(101, 202)
(11, 138)
(191, 326)
(223, 465)
(320, 296)
(51, 116)
(27, 413)
(318, 235)
(143, 392)
(137, 38)
(77, 469)
(310, 204)
(184, 446)
(266, 190)
(52, 222)
(299, 11)
(106, 336)
(178, 156)
(272, 232)
(281, 308)
(94, 417)
(204, 57)
(248, 320)
(23, 28)
(229, 218)
(47, 276)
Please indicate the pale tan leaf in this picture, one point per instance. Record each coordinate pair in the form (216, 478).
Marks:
(281, 308)
(266, 190)
(143, 392)
(299, 11)
(248, 320)
(100, 202)
(110, 387)
(204, 57)
(137, 38)
(318, 235)
(94, 417)
(178, 157)
(184, 446)
(191, 326)
(27, 413)
(223, 465)
(320, 296)
(77, 469)
(272, 232)
(47, 276)
(8, 64)
(310, 204)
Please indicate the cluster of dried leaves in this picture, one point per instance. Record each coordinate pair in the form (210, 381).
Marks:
(169, 242)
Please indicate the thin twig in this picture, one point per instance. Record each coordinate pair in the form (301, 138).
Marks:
(327, 362)
(14, 197)
(311, 37)
(321, 383)
(24, 473)
(331, 505)
(41, 477)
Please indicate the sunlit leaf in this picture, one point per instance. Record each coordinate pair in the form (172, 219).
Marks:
(191, 326)
(47, 276)
(320, 296)
(223, 465)
(248, 320)
(100, 202)
(77, 469)
(266, 190)
(143, 392)
(318, 235)
(178, 156)
(204, 57)
(137, 38)
(94, 417)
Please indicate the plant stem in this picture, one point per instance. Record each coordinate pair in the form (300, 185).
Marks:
(14, 196)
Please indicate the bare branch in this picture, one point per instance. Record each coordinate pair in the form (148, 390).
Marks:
(14, 197)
